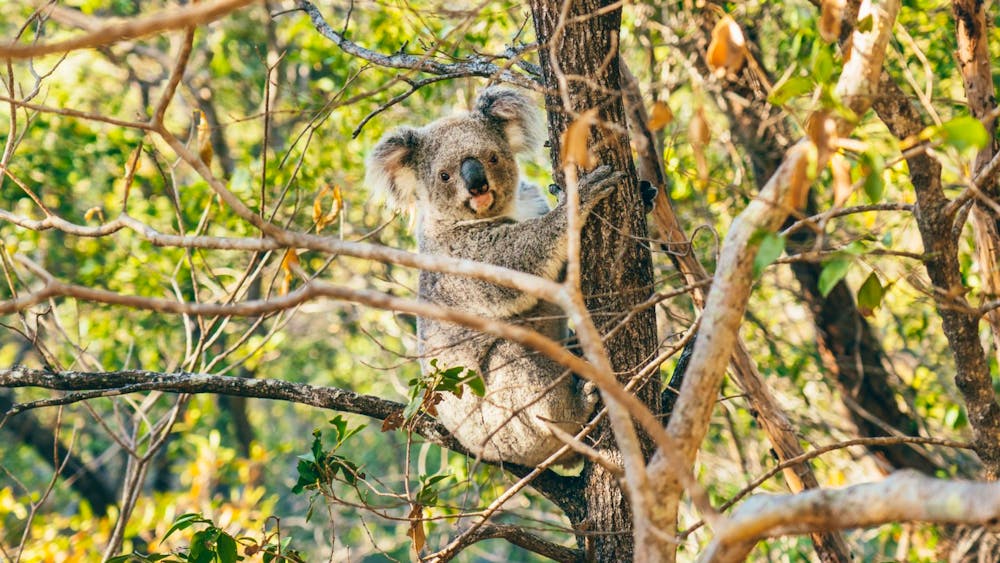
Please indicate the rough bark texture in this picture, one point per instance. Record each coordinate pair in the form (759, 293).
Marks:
(940, 239)
(973, 56)
(617, 270)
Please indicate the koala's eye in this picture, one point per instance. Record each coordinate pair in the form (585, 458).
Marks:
(445, 176)
(494, 159)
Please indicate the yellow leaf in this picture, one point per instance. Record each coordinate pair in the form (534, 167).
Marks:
(575, 141)
(89, 214)
(336, 205)
(727, 51)
(416, 531)
(318, 206)
(831, 14)
(841, 170)
(660, 117)
(204, 137)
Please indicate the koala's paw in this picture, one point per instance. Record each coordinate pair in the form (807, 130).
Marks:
(597, 185)
(589, 394)
(648, 193)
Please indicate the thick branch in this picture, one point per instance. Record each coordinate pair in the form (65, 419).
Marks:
(915, 498)
(132, 381)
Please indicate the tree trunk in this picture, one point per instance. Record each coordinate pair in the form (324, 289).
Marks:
(617, 267)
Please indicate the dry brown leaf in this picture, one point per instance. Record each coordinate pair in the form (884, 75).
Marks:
(822, 130)
(841, 169)
(800, 180)
(336, 206)
(660, 116)
(205, 151)
(393, 421)
(576, 139)
(416, 531)
(831, 14)
(727, 51)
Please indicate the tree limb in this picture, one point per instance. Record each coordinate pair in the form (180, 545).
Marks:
(914, 498)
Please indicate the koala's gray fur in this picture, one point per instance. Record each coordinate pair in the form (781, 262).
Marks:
(461, 173)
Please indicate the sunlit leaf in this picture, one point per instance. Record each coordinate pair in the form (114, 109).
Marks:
(727, 51)
(831, 13)
(416, 531)
(576, 139)
(791, 87)
(870, 294)
(660, 116)
(962, 133)
(771, 247)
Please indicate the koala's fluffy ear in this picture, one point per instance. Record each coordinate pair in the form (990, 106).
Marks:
(390, 168)
(515, 113)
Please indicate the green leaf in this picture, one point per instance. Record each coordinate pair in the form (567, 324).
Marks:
(185, 521)
(870, 294)
(201, 546)
(833, 272)
(476, 384)
(343, 430)
(874, 187)
(225, 549)
(822, 62)
(793, 87)
(771, 247)
(963, 132)
(856, 248)
(872, 164)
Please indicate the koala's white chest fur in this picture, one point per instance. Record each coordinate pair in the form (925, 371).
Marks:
(461, 175)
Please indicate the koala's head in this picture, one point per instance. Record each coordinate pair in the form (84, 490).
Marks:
(462, 167)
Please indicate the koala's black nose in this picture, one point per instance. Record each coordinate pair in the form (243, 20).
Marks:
(474, 176)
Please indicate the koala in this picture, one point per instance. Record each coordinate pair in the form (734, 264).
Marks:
(461, 176)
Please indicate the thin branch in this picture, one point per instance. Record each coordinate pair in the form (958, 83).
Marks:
(471, 66)
(116, 31)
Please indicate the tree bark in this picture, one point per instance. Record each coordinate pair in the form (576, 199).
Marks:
(959, 319)
(617, 268)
